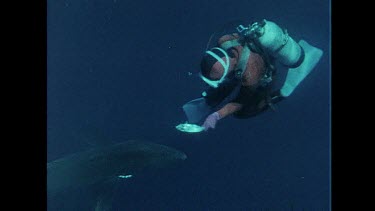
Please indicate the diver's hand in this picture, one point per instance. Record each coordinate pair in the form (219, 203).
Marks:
(211, 121)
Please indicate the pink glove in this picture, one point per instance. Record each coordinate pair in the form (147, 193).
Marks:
(211, 121)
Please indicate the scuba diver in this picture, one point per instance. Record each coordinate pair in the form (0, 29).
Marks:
(240, 72)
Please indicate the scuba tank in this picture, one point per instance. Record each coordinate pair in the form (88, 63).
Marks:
(299, 57)
(274, 41)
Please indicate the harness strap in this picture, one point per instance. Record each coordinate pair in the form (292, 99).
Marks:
(242, 63)
(229, 44)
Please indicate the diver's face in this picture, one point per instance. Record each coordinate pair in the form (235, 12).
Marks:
(218, 70)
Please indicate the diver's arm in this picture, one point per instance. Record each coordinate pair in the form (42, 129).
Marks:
(213, 118)
(229, 109)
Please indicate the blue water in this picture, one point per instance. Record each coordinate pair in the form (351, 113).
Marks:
(119, 70)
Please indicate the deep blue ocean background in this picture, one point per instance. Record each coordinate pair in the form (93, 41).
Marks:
(119, 70)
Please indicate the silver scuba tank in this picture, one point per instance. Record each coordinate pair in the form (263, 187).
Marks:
(300, 57)
(274, 40)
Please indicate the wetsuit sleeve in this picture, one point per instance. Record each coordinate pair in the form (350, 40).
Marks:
(245, 96)
(255, 102)
(214, 96)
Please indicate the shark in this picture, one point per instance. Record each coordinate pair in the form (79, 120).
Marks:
(103, 165)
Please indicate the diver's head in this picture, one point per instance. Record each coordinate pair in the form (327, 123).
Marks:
(217, 66)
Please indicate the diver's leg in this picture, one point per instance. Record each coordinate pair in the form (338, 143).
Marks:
(296, 75)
